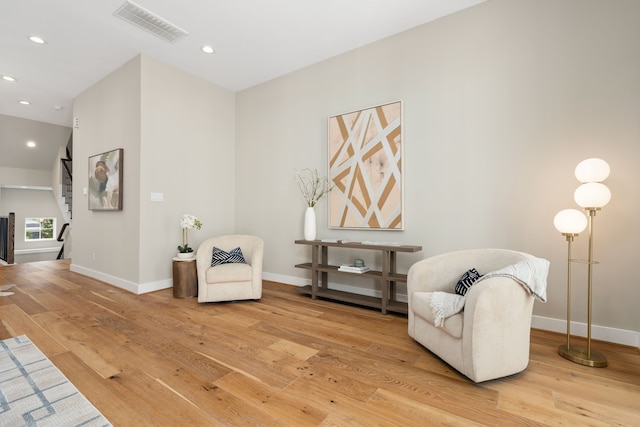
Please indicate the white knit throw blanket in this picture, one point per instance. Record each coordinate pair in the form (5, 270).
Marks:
(531, 273)
(445, 304)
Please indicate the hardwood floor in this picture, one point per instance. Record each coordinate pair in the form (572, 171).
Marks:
(288, 360)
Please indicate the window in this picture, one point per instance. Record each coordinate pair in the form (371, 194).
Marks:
(39, 229)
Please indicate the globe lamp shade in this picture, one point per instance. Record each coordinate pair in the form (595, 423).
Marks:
(592, 195)
(592, 170)
(570, 221)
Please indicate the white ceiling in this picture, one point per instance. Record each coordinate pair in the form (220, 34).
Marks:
(255, 41)
(15, 132)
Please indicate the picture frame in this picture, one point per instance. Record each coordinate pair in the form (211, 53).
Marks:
(366, 168)
(105, 181)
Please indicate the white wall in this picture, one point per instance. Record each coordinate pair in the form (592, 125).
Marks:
(25, 177)
(187, 154)
(501, 102)
(30, 204)
(106, 243)
(56, 173)
(177, 132)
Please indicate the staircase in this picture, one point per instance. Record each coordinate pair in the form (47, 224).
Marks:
(66, 191)
(65, 194)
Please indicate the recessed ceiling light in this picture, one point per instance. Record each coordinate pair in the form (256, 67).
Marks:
(9, 78)
(31, 144)
(207, 49)
(37, 40)
(23, 102)
(58, 107)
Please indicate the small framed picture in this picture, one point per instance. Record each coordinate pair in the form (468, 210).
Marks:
(105, 181)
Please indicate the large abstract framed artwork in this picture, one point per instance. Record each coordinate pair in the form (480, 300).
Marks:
(365, 169)
(105, 181)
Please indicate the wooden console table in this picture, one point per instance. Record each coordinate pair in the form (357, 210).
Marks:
(388, 277)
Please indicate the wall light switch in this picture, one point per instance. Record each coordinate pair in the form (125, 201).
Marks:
(157, 197)
(84, 192)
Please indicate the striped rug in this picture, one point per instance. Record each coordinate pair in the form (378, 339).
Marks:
(33, 392)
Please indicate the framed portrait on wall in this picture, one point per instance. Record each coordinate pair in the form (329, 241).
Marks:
(365, 168)
(105, 181)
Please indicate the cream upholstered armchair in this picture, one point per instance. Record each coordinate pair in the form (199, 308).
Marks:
(231, 280)
(490, 338)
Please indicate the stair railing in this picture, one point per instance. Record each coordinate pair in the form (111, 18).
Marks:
(7, 237)
(66, 182)
(60, 238)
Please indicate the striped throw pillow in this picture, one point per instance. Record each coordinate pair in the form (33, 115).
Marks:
(466, 281)
(223, 257)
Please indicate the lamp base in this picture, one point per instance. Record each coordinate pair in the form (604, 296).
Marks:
(578, 354)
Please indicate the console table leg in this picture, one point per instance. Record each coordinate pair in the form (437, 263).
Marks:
(385, 282)
(314, 271)
(385, 291)
(392, 270)
(324, 260)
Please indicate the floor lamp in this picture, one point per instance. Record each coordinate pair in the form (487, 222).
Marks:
(592, 196)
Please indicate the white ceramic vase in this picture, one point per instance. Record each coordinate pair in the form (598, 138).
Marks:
(310, 224)
(185, 255)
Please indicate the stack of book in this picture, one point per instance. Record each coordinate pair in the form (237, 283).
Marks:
(353, 269)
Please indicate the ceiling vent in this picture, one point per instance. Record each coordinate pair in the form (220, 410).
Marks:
(142, 18)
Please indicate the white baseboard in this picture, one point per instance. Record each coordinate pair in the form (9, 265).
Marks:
(603, 333)
(144, 288)
(36, 251)
(136, 288)
(287, 280)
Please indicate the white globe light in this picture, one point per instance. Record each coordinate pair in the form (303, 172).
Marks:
(592, 170)
(592, 195)
(570, 221)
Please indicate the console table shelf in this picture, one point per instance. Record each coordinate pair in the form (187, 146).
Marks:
(388, 277)
(334, 269)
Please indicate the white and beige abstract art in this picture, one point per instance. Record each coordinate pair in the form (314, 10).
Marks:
(365, 168)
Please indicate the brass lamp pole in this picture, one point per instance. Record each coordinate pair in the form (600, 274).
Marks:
(578, 353)
(592, 195)
(565, 348)
(593, 357)
(570, 222)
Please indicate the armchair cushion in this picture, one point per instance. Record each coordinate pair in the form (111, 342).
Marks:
(219, 256)
(422, 303)
(229, 272)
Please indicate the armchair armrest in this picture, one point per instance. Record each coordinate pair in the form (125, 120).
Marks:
(497, 322)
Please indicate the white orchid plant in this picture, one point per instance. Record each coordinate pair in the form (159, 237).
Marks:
(187, 222)
(312, 185)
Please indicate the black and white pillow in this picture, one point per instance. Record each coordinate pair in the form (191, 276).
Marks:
(223, 257)
(466, 281)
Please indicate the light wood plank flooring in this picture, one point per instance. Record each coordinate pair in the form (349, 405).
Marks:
(288, 361)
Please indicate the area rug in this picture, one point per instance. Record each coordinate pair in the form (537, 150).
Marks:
(33, 392)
